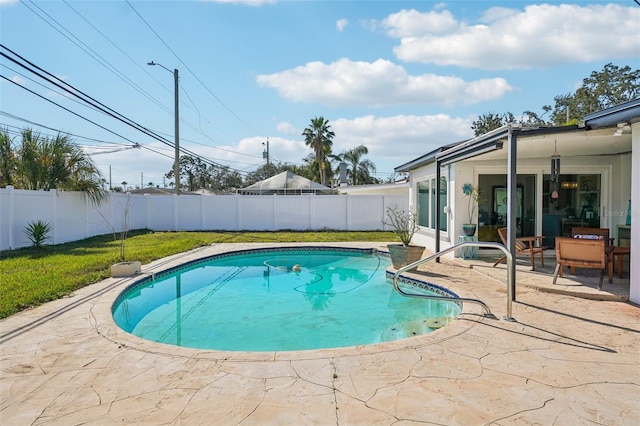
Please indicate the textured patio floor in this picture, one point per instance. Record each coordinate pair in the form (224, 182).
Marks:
(566, 360)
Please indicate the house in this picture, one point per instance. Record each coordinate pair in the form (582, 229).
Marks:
(395, 188)
(511, 166)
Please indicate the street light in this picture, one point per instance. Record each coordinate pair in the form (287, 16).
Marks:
(176, 163)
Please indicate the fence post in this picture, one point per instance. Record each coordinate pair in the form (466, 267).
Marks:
(175, 212)
(346, 210)
(147, 210)
(54, 209)
(12, 216)
(202, 212)
(86, 215)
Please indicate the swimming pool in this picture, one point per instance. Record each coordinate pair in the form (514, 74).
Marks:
(279, 300)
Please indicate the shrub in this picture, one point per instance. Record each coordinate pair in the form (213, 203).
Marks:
(38, 232)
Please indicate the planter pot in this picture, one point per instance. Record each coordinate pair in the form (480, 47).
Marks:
(125, 269)
(469, 229)
(403, 256)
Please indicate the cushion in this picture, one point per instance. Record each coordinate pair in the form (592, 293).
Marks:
(589, 236)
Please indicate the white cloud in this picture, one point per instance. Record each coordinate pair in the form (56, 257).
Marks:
(3, 2)
(341, 24)
(391, 141)
(286, 127)
(380, 83)
(412, 23)
(541, 35)
(400, 138)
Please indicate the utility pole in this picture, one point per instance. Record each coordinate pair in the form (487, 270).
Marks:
(265, 154)
(176, 161)
(141, 180)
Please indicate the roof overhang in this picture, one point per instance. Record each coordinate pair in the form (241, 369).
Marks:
(493, 142)
(628, 112)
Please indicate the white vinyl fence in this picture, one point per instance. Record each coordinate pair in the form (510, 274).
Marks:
(73, 217)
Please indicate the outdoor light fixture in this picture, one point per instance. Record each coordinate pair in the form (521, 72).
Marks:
(555, 163)
(569, 185)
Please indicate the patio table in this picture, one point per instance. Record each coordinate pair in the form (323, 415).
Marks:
(620, 253)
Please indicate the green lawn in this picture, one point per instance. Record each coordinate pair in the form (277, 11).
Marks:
(30, 277)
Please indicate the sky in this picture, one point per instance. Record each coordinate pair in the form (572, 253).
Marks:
(400, 77)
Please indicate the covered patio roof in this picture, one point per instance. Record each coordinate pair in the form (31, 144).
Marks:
(605, 132)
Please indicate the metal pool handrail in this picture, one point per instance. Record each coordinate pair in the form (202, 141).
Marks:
(414, 265)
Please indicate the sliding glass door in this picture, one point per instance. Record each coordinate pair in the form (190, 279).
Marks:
(571, 201)
(492, 205)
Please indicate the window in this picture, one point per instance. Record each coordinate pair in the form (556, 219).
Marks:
(426, 202)
(423, 204)
(443, 202)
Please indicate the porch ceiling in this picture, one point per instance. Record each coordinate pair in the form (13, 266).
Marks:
(569, 144)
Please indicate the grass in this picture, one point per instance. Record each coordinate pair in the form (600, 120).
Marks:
(32, 276)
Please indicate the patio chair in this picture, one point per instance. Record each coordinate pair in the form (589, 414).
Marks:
(592, 234)
(583, 253)
(524, 245)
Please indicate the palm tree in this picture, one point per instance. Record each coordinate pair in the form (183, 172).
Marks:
(45, 163)
(360, 170)
(7, 159)
(319, 137)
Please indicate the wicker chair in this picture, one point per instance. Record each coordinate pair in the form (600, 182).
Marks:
(598, 232)
(524, 245)
(583, 253)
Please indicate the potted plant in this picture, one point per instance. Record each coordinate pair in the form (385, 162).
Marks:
(404, 225)
(472, 193)
(124, 268)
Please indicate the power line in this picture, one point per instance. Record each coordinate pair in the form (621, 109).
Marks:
(79, 94)
(105, 63)
(64, 95)
(95, 55)
(89, 100)
(17, 118)
(189, 69)
(186, 122)
(64, 108)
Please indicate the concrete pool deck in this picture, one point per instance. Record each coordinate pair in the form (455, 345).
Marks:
(566, 360)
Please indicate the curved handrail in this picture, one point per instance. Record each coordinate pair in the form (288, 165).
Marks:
(414, 265)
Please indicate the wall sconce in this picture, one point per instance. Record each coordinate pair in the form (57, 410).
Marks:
(569, 185)
(555, 163)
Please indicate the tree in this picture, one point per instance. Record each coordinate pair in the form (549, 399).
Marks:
(319, 137)
(7, 159)
(490, 121)
(48, 163)
(359, 169)
(264, 172)
(199, 175)
(609, 87)
(224, 179)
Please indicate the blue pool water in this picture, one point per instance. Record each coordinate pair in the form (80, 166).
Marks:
(278, 300)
